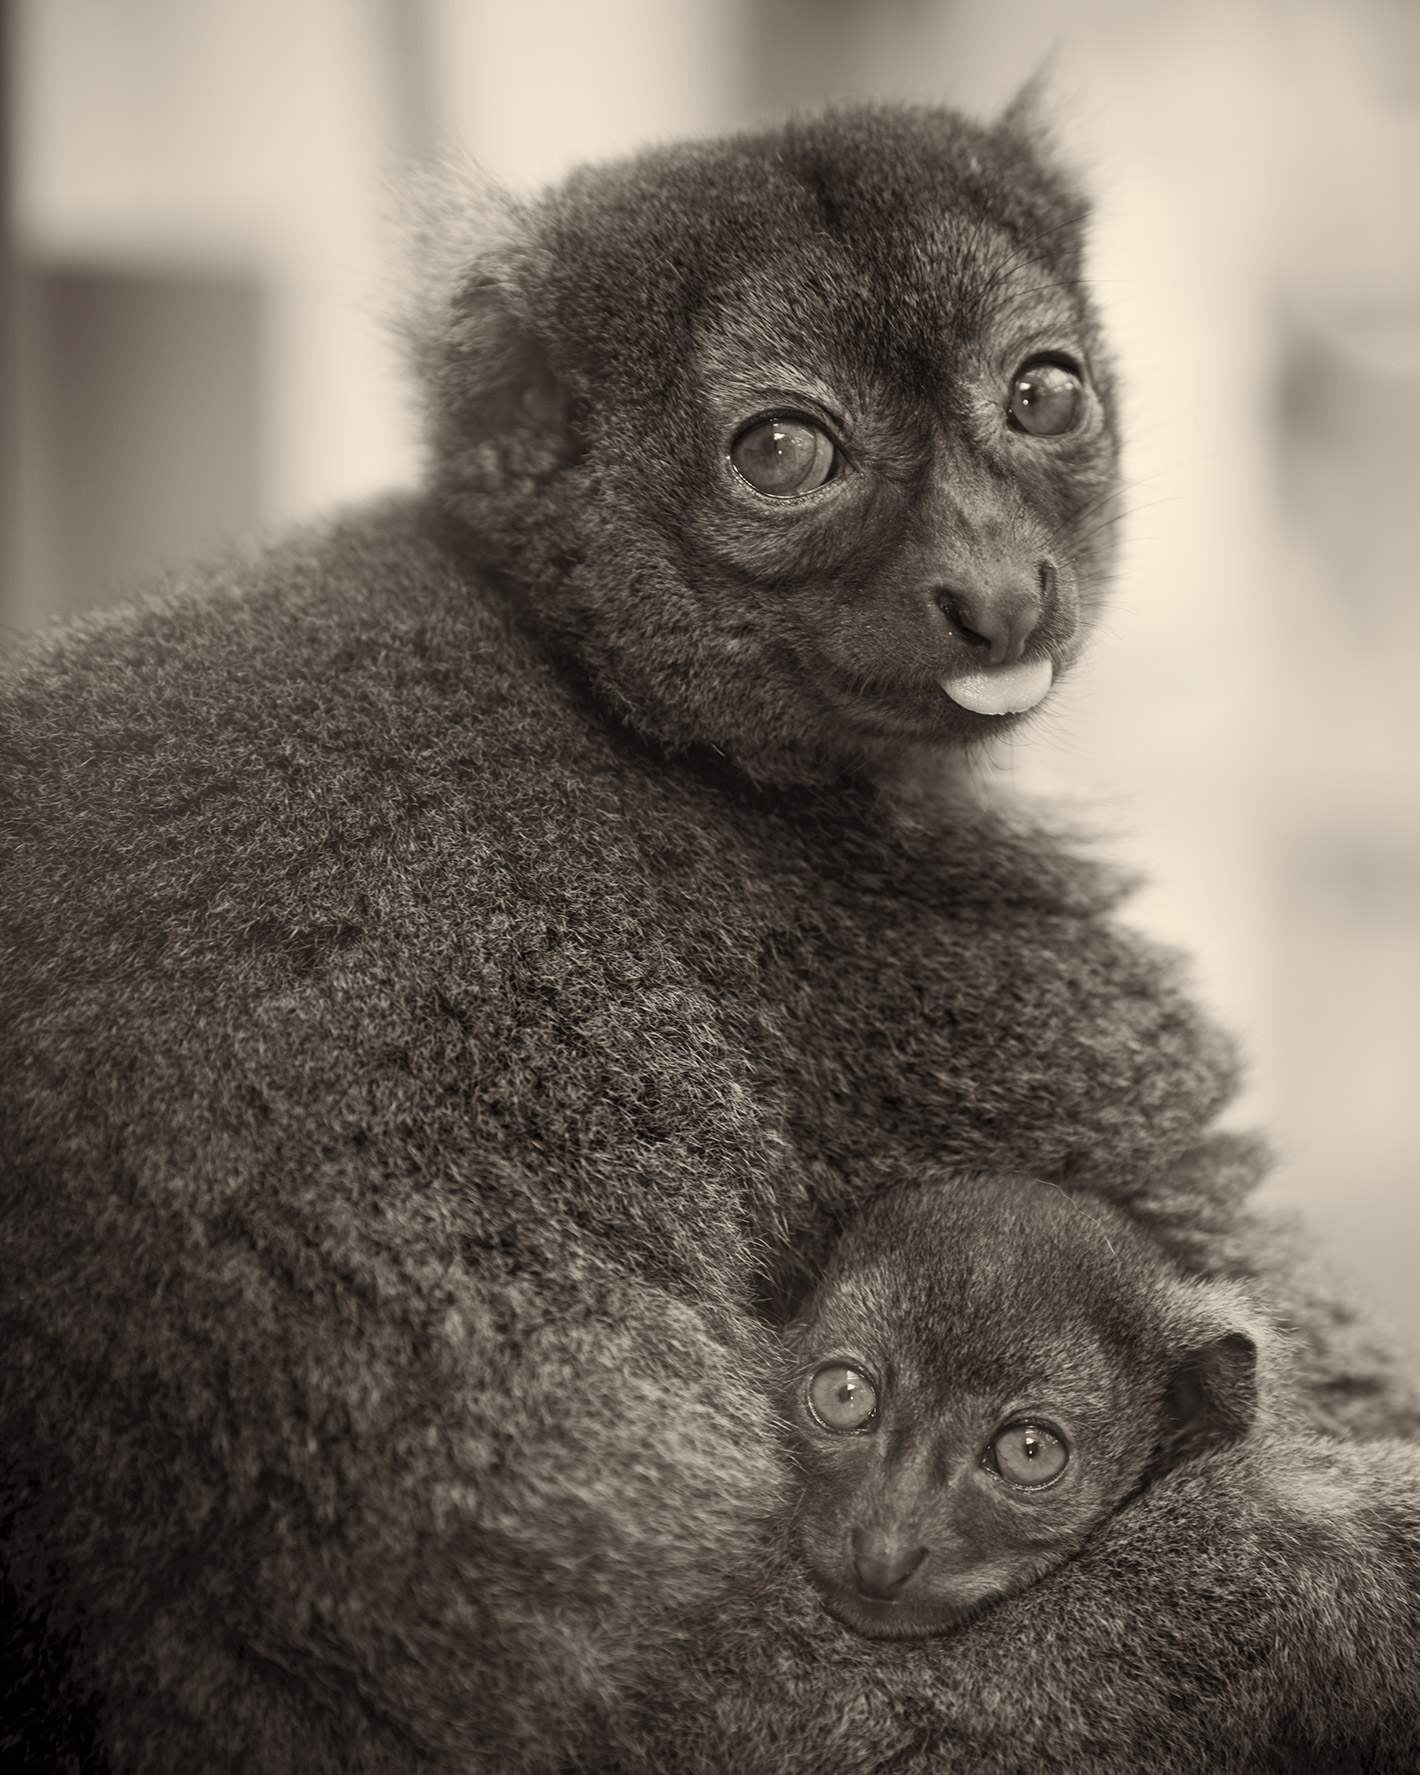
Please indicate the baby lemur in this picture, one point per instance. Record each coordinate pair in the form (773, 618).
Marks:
(987, 1370)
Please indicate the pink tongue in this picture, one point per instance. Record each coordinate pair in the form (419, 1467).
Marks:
(1001, 690)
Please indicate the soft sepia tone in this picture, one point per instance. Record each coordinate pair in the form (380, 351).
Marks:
(203, 199)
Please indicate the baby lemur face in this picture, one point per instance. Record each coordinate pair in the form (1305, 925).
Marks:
(987, 1371)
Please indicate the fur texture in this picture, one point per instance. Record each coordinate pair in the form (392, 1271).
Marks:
(463, 966)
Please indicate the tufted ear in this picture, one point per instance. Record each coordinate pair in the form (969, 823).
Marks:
(1211, 1399)
(1028, 113)
(495, 391)
(464, 316)
(1031, 123)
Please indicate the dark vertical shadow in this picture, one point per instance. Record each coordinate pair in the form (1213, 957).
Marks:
(10, 558)
(149, 385)
(409, 69)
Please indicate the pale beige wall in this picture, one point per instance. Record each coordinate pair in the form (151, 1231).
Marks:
(252, 139)
(531, 89)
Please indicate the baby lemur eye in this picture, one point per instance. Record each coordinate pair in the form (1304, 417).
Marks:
(1028, 1455)
(842, 1398)
(1047, 398)
(784, 457)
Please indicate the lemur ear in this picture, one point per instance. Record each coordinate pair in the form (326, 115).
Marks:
(1028, 113)
(496, 410)
(495, 386)
(1211, 1399)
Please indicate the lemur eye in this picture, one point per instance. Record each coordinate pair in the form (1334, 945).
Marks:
(1028, 1455)
(1046, 399)
(842, 1398)
(783, 457)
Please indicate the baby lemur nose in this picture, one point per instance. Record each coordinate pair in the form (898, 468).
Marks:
(884, 1562)
(1004, 614)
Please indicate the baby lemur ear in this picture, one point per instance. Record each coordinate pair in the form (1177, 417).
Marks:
(1211, 1399)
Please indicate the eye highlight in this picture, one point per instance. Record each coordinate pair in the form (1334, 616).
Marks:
(1047, 398)
(842, 1398)
(784, 458)
(1028, 1456)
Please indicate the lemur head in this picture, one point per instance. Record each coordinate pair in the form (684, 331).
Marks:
(798, 445)
(988, 1369)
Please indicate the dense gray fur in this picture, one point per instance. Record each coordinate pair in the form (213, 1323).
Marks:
(461, 964)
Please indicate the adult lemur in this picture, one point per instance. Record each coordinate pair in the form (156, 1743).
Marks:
(461, 965)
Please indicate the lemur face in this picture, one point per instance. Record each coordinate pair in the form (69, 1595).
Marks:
(986, 1373)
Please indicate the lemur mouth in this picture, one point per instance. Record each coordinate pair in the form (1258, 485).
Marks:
(889, 1618)
(1003, 689)
(965, 705)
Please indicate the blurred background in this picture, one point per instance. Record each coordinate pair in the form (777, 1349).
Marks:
(199, 264)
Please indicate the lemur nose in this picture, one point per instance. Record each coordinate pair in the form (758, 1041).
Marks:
(884, 1562)
(1004, 614)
